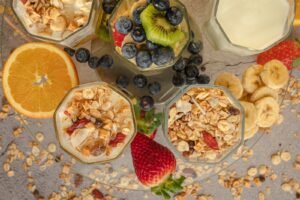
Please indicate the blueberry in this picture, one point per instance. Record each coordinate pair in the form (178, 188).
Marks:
(191, 81)
(150, 45)
(195, 59)
(154, 88)
(174, 15)
(146, 103)
(122, 81)
(108, 7)
(162, 55)
(136, 15)
(178, 79)
(140, 80)
(180, 64)
(129, 50)
(161, 5)
(106, 61)
(143, 59)
(69, 51)
(191, 71)
(93, 62)
(195, 47)
(203, 79)
(124, 25)
(138, 34)
(82, 55)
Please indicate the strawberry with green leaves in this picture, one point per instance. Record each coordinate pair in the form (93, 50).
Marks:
(154, 165)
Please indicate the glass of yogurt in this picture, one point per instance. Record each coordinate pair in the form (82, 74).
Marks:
(66, 22)
(249, 27)
(95, 122)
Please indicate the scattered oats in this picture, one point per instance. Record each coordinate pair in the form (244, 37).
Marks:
(35, 151)
(31, 187)
(17, 132)
(252, 171)
(3, 115)
(257, 181)
(285, 156)
(261, 196)
(10, 173)
(39, 136)
(29, 161)
(276, 160)
(51, 148)
(6, 108)
(268, 190)
(273, 177)
(6, 167)
(66, 169)
(262, 170)
(286, 187)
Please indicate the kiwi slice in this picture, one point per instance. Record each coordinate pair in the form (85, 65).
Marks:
(158, 30)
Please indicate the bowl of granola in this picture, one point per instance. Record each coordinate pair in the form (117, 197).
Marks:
(204, 123)
(95, 122)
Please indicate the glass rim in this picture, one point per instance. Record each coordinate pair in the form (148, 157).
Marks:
(95, 83)
(50, 39)
(233, 101)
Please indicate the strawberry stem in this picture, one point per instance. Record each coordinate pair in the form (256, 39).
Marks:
(169, 186)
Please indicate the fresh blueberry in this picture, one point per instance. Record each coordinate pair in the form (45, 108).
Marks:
(195, 59)
(154, 88)
(150, 45)
(161, 5)
(178, 79)
(146, 103)
(191, 81)
(203, 79)
(109, 6)
(93, 62)
(140, 80)
(129, 50)
(162, 55)
(174, 15)
(138, 34)
(195, 47)
(136, 15)
(122, 81)
(143, 59)
(82, 55)
(180, 64)
(191, 71)
(124, 25)
(69, 51)
(106, 61)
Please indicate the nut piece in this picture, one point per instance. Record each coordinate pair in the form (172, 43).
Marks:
(252, 171)
(285, 156)
(276, 160)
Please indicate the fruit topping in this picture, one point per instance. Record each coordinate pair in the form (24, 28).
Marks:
(140, 80)
(178, 79)
(118, 38)
(69, 51)
(210, 140)
(195, 59)
(143, 59)
(106, 61)
(191, 72)
(180, 64)
(82, 55)
(150, 45)
(138, 34)
(129, 50)
(203, 79)
(161, 5)
(174, 15)
(122, 81)
(231, 82)
(162, 55)
(158, 29)
(93, 62)
(154, 88)
(146, 103)
(77, 125)
(195, 47)
(123, 25)
(136, 15)
(120, 137)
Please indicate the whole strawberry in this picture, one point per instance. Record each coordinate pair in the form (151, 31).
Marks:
(154, 165)
(285, 51)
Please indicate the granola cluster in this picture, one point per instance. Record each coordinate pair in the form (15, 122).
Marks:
(99, 119)
(57, 16)
(204, 124)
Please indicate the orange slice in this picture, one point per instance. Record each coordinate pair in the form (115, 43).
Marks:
(36, 77)
(297, 16)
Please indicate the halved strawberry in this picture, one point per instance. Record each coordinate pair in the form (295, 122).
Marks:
(78, 124)
(285, 51)
(118, 38)
(120, 137)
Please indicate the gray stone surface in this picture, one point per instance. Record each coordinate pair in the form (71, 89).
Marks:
(281, 138)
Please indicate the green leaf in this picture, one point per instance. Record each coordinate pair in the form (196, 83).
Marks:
(296, 63)
(180, 180)
(165, 194)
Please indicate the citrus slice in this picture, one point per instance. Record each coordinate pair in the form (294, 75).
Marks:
(36, 77)
(297, 16)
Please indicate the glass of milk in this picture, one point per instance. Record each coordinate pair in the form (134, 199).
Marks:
(248, 27)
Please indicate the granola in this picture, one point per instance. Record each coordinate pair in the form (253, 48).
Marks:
(203, 124)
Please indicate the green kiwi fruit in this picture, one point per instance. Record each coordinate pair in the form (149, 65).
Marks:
(158, 30)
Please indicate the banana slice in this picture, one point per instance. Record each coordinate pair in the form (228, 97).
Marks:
(250, 133)
(245, 96)
(231, 82)
(267, 112)
(275, 75)
(251, 78)
(250, 115)
(264, 92)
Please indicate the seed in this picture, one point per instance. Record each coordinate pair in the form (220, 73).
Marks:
(276, 160)
(252, 171)
(10, 173)
(285, 156)
(51, 147)
(39, 136)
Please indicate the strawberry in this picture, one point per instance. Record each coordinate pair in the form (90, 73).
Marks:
(78, 124)
(285, 51)
(210, 140)
(154, 165)
(118, 38)
(150, 135)
(120, 137)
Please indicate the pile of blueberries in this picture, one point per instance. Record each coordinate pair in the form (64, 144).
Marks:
(187, 69)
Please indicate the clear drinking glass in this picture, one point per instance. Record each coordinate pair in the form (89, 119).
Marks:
(81, 35)
(234, 102)
(249, 27)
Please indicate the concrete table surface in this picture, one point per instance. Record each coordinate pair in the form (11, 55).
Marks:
(282, 137)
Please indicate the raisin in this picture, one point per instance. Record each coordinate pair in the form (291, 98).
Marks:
(78, 180)
(234, 111)
(97, 194)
